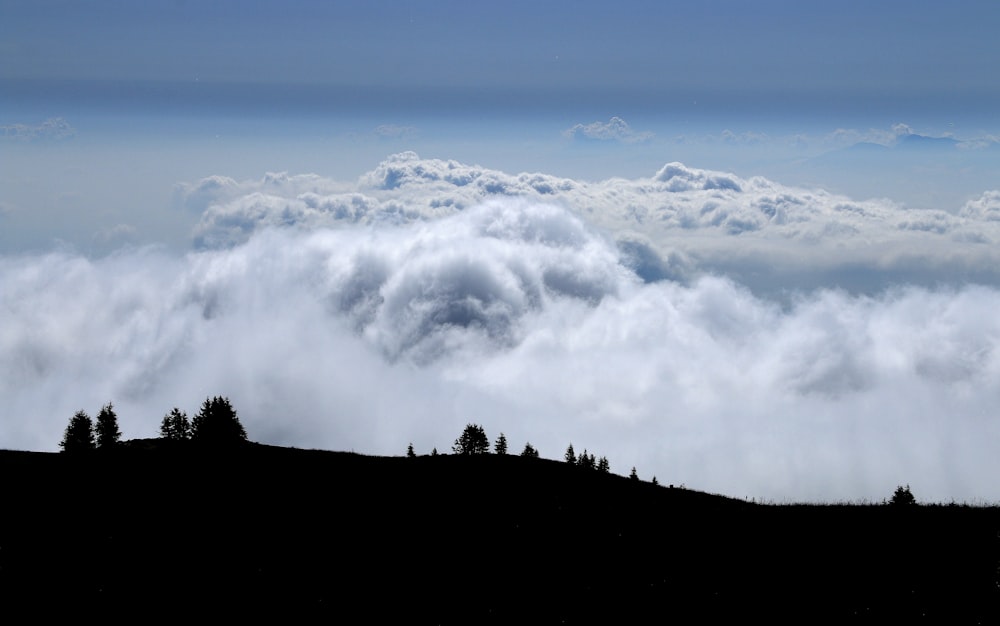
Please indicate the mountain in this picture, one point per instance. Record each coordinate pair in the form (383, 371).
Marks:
(278, 533)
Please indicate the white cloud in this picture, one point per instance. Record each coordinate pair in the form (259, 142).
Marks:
(520, 316)
(55, 128)
(767, 235)
(615, 129)
(393, 131)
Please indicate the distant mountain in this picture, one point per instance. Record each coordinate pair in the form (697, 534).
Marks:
(274, 533)
(913, 141)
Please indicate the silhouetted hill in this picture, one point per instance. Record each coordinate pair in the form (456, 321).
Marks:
(261, 531)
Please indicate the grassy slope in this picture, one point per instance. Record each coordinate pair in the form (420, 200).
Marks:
(448, 539)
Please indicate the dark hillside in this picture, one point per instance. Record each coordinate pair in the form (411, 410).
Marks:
(261, 530)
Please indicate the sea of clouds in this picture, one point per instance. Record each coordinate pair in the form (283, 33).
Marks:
(734, 335)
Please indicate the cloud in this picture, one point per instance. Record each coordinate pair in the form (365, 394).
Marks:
(615, 129)
(769, 236)
(54, 128)
(985, 208)
(521, 316)
(745, 138)
(392, 131)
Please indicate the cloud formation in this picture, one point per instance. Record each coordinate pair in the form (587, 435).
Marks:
(54, 128)
(768, 236)
(524, 317)
(615, 129)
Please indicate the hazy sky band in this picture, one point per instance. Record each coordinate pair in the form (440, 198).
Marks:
(771, 46)
(34, 100)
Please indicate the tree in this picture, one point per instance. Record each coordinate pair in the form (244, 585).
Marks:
(529, 451)
(654, 481)
(175, 426)
(79, 435)
(570, 456)
(472, 441)
(217, 424)
(106, 429)
(633, 475)
(409, 451)
(501, 445)
(434, 452)
(586, 460)
(903, 497)
(603, 465)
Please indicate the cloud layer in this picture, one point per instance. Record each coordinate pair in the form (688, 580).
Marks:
(766, 235)
(403, 325)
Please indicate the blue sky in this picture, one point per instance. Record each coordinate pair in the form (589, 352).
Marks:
(758, 233)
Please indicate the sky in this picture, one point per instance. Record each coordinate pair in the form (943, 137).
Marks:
(750, 248)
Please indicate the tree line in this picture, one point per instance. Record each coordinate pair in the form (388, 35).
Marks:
(216, 423)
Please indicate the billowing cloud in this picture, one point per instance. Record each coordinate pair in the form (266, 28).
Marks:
(615, 129)
(767, 235)
(521, 316)
(54, 128)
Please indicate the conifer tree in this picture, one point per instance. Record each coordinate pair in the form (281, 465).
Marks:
(501, 445)
(472, 441)
(106, 429)
(79, 435)
(603, 465)
(175, 426)
(570, 455)
(529, 451)
(217, 424)
(633, 475)
(409, 451)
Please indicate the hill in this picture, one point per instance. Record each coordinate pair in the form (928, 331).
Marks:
(305, 534)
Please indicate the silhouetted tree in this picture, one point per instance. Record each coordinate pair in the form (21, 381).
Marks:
(903, 497)
(217, 423)
(586, 460)
(603, 465)
(633, 475)
(570, 456)
(175, 426)
(472, 441)
(434, 452)
(501, 445)
(529, 451)
(106, 428)
(79, 435)
(409, 451)
(654, 481)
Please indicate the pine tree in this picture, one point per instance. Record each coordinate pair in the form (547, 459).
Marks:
(529, 451)
(409, 451)
(106, 429)
(175, 426)
(603, 465)
(472, 441)
(434, 452)
(217, 424)
(655, 482)
(501, 445)
(79, 435)
(633, 475)
(570, 456)
(903, 497)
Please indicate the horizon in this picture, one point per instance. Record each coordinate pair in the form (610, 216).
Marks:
(752, 250)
